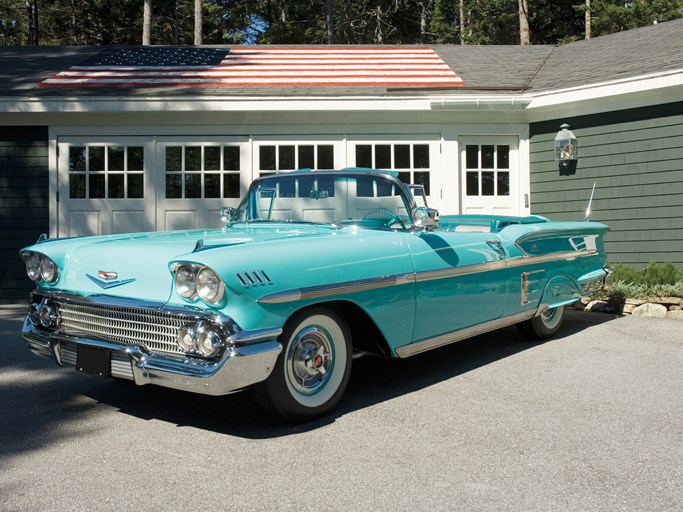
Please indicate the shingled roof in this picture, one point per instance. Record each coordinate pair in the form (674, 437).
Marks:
(483, 69)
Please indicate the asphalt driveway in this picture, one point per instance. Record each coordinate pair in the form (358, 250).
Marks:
(591, 420)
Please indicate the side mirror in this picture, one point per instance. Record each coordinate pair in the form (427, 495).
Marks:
(426, 219)
(227, 214)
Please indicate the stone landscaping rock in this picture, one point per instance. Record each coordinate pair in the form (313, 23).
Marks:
(651, 310)
(628, 308)
(676, 314)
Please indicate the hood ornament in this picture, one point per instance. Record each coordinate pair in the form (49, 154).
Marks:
(107, 279)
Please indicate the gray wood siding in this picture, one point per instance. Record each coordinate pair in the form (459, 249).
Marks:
(638, 170)
(23, 203)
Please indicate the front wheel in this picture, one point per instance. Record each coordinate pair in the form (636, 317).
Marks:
(543, 326)
(313, 368)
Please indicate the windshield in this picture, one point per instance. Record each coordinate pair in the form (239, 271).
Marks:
(374, 201)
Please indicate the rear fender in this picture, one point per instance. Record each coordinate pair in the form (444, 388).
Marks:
(560, 291)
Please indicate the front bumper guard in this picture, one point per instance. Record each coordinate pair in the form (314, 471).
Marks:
(238, 367)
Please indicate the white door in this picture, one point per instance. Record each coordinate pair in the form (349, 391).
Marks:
(104, 187)
(490, 175)
(197, 178)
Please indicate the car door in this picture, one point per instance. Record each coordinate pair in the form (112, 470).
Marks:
(461, 281)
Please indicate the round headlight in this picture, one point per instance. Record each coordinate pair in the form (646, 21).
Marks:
(209, 285)
(33, 267)
(185, 281)
(209, 343)
(186, 339)
(48, 270)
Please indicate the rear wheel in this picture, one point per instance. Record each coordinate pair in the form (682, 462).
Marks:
(313, 368)
(543, 326)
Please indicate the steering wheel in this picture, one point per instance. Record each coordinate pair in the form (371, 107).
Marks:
(394, 217)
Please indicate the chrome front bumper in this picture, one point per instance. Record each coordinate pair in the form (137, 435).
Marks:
(239, 367)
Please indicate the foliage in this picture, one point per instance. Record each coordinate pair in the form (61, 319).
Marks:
(89, 22)
(656, 280)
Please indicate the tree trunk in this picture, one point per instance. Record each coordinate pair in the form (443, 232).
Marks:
(331, 39)
(524, 37)
(462, 21)
(588, 19)
(197, 22)
(147, 23)
(32, 14)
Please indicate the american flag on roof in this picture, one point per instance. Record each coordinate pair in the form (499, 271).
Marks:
(389, 67)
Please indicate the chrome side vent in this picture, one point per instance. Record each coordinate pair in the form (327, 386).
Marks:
(251, 278)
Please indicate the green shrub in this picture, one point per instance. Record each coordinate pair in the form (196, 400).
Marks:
(656, 280)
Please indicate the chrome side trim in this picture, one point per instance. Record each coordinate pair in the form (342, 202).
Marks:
(374, 283)
(451, 337)
(327, 290)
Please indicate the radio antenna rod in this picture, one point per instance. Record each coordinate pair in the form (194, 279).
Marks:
(590, 203)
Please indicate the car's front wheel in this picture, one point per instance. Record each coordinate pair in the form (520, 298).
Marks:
(313, 368)
(544, 325)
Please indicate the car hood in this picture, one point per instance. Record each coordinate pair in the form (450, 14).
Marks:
(137, 265)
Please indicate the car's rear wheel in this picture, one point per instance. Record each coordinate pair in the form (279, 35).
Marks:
(313, 368)
(544, 325)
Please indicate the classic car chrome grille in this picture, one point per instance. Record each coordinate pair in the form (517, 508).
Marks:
(131, 326)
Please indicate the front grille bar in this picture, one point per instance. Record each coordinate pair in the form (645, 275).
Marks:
(154, 330)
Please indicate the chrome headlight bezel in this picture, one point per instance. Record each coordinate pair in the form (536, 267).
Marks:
(40, 268)
(210, 286)
(193, 281)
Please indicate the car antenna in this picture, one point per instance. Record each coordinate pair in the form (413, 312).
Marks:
(590, 203)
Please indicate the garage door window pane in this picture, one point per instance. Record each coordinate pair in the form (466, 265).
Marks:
(76, 159)
(136, 158)
(402, 156)
(286, 159)
(472, 186)
(231, 186)
(174, 159)
(472, 157)
(115, 188)
(193, 158)
(306, 157)
(487, 183)
(135, 186)
(193, 186)
(503, 183)
(96, 158)
(364, 155)
(267, 158)
(503, 156)
(422, 178)
(383, 156)
(231, 158)
(212, 158)
(212, 185)
(421, 156)
(96, 186)
(174, 186)
(77, 186)
(115, 158)
(326, 156)
(487, 159)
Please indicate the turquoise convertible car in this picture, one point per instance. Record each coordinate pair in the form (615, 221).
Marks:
(313, 269)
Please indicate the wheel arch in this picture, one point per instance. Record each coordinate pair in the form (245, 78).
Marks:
(560, 291)
(365, 335)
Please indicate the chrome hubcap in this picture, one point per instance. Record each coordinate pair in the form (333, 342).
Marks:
(309, 360)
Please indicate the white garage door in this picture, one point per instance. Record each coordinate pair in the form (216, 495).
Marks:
(103, 187)
(146, 184)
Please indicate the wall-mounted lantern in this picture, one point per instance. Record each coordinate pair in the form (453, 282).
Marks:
(566, 150)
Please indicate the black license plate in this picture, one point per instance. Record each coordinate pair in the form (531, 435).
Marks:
(93, 360)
